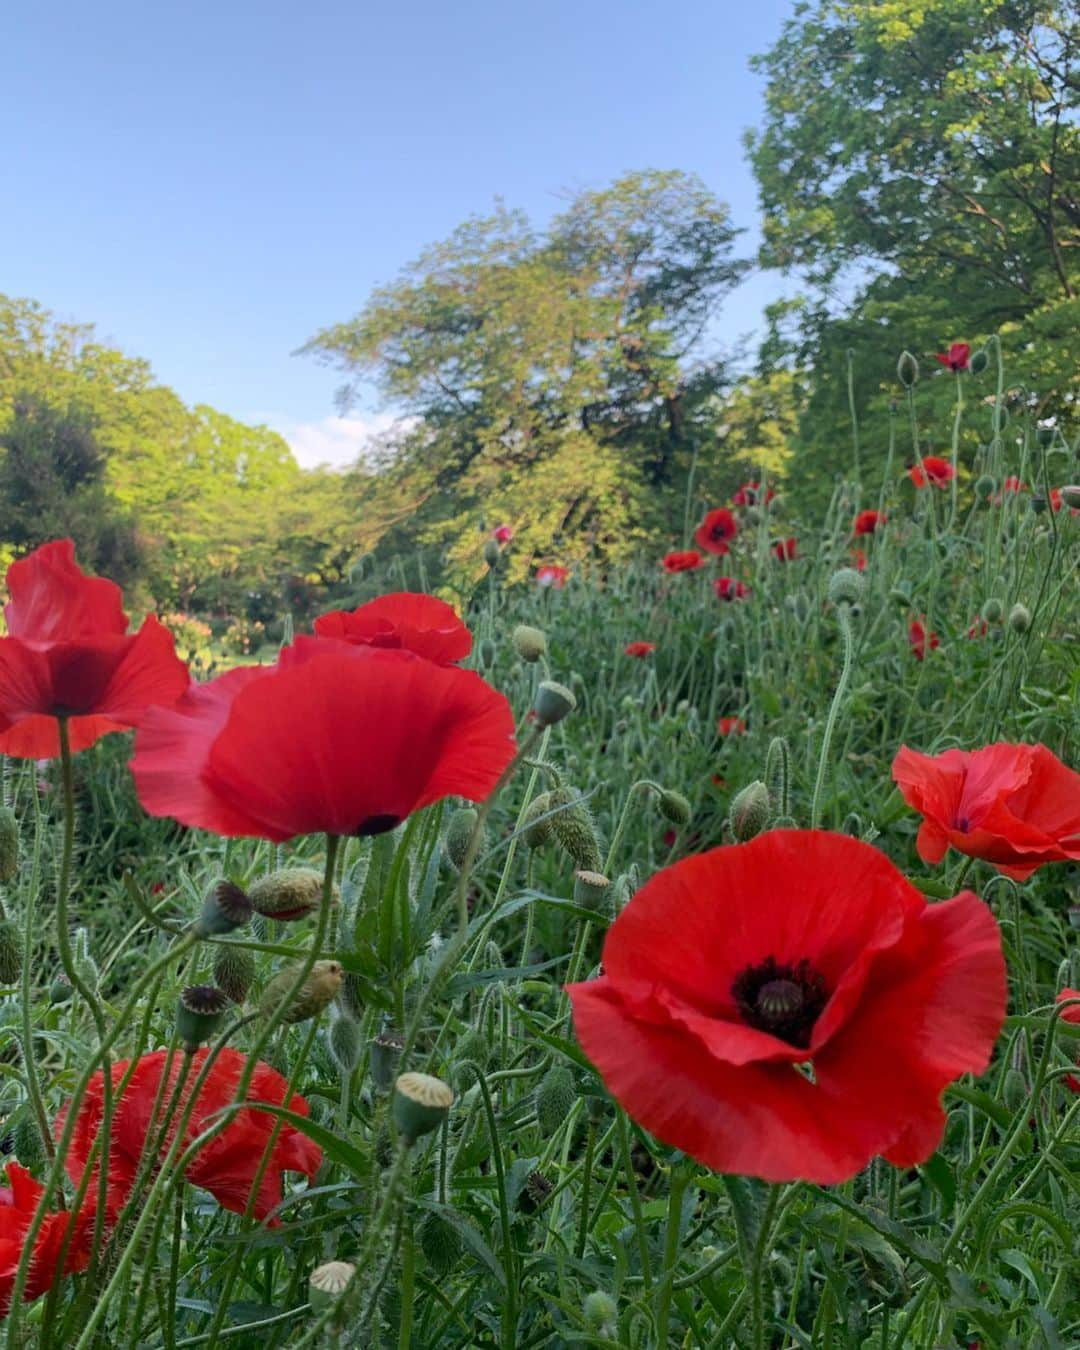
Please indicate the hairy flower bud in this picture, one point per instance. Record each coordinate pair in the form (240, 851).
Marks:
(985, 486)
(420, 1104)
(907, 369)
(29, 1146)
(1014, 1090)
(674, 806)
(344, 1043)
(225, 907)
(234, 971)
(317, 991)
(529, 643)
(750, 811)
(601, 1313)
(979, 361)
(553, 703)
(459, 832)
(289, 893)
(200, 1011)
(10, 953)
(1019, 618)
(537, 830)
(556, 1094)
(846, 587)
(487, 652)
(574, 830)
(992, 610)
(491, 553)
(440, 1242)
(9, 843)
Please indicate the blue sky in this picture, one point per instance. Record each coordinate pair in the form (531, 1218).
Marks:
(211, 183)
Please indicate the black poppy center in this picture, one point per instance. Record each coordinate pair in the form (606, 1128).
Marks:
(784, 1000)
(376, 825)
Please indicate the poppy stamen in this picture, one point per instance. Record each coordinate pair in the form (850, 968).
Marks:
(784, 1000)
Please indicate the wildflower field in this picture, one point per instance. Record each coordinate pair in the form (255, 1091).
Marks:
(680, 952)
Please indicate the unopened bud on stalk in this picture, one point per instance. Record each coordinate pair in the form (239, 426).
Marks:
(537, 830)
(289, 893)
(529, 643)
(487, 651)
(199, 1012)
(573, 828)
(459, 831)
(384, 1055)
(979, 361)
(10, 953)
(1019, 618)
(674, 806)
(491, 553)
(907, 369)
(420, 1104)
(846, 587)
(591, 889)
(553, 703)
(601, 1313)
(440, 1242)
(992, 610)
(984, 487)
(1045, 431)
(9, 843)
(750, 811)
(60, 991)
(226, 907)
(344, 1043)
(536, 1192)
(1014, 1089)
(29, 1147)
(556, 1094)
(329, 1283)
(234, 971)
(317, 992)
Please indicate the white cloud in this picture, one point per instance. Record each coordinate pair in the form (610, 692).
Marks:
(334, 441)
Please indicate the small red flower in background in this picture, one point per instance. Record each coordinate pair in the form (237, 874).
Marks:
(1013, 484)
(18, 1205)
(671, 838)
(718, 781)
(920, 640)
(866, 522)
(858, 559)
(978, 629)
(333, 738)
(748, 495)
(403, 619)
(639, 648)
(1015, 806)
(1071, 1014)
(957, 357)
(932, 470)
(227, 1165)
(727, 588)
(730, 726)
(1057, 501)
(821, 952)
(552, 575)
(784, 550)
(715, 530)
(685, 561)
(502, 534)
(68, 654)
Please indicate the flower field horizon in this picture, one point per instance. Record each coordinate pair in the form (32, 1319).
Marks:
(679, 952)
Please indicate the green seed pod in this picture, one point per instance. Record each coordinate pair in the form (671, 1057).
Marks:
(459, 831)
(601, 1313)
(440, 1242)
(29, 1148)
(992, 611)
(351, 994)
(420, 1104)
(60, 991)
(1019, 618)
(574, 830)
(592, 890)
(10, 953)
(1014, 1090)
(200, 1010)
(846, 587)
(907, 369)
(290, 893)
(553, 703)
(329, 1284)
(537, 831)
(556, 1094)
(317, 992)
(979, 361)
(673, 806)
(9, 843)
(985, 487)
(384, 1054)
(344, 1043)
(750, 811)
(529, 643)
(225, 907)
(234, 971)
(1039, 504)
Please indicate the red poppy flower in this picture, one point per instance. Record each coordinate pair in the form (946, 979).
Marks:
(933, 470)
(502, 534)
(18, 1205)
(821, 955)
(784, 550)
(68, 654)
(552, 575)
(1013, 484)
(685, 561)
(715, 530)
(332, 739)
(727, 588)
(639, 648)
(1016, 806)
(919, 639)
(226, 1166)
(858, 559)
(866, 522)
(1071, 1014)
(957, 357)
(416, 623)
(1057, 501)
(748, 494)
(730, 726)
(979, 628)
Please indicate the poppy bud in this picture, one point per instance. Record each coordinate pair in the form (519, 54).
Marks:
(459, 831)
(846, 587)
(979, 361)
(534, 1194)
(529, 643)
(9, 843)
(1019, 618)
(199, 1012)
(553, 703)
(591, 889)
(440, 1243)
(28, 1145)
(1045, 431)
(343, 1042)
(750, 811)
(491, 553)
(1014, 1090)
(384, 1054)
(1039, 504)
(351, 994)
(556, 1094)
(907, 369)
(1070, 495)
(574, 830)
(316, 993)
(329, 1283)
(10, 953)
(992, 611)
(673, 806)
(601, 1313)
(60, 991)
(420, 1104)
(487, 651)
(984, 487)
(537, 830)
(234, 971)
(290, 893)
(226, 907)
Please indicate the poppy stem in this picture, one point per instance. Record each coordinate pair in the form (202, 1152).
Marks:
(757, 1272)
(844, 620)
